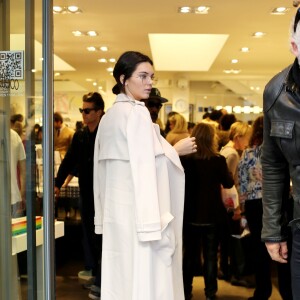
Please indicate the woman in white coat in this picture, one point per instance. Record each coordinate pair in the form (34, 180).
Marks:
(139, 194)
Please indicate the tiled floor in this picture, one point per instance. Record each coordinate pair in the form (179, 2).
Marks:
(69, 263)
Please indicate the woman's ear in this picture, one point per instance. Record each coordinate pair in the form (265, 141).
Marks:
(122, 79)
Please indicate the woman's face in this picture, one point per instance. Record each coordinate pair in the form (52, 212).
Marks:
(241, 142)
(139, 85)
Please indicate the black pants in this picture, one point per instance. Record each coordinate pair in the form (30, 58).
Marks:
(92, 243)
(208, 237)
(262, 260)
(295, 261)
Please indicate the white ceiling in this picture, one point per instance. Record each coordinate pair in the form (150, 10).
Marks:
(125, 25)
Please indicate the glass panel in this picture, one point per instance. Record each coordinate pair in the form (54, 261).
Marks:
(21, 244)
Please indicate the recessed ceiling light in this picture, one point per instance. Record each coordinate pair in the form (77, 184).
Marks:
(104, 48)
(92, 33)
(89, 80)
(258, 34)
(232, 71)
(91, 48)
(201, 10)
(112, 60)
(102, 60)
(234, 61)
(77, 33)
(245, 49)
(184, 9)
(57, 9)
(56, 74)
(94, 83)
(73, 9)
(110, 69)
(280, 10)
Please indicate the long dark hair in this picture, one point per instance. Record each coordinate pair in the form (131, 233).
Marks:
(126, 65)
(257, 132)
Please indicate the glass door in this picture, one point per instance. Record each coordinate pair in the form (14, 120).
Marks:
(26, 197)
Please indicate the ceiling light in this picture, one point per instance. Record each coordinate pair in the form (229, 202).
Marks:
(245, 49)
(280, 10)
(89, 80)
(112, 60)
(103, 48)
(237, 109)
(92, 33)
(228, 108)
(110, 69)
(102, 60)
(184, 9)
(231, 71)
(91, 48)
(234, 61)
(258, 34)
(57, 9)
(72, 9)
(94, 83)
(56, 74)
(201, 10)
(77, 33)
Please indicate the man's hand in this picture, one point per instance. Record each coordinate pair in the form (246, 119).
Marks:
(278, 251)
(186, 146)
(56, 191)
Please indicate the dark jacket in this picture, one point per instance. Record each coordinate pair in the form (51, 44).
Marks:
(281, 149)
(80, 157)
(203, 178)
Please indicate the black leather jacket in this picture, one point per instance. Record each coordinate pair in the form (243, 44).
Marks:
(281, 150)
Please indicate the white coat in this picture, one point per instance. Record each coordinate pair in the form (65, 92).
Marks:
(139, 199)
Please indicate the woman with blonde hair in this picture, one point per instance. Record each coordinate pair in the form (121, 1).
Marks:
(179, 129)
(239, 136)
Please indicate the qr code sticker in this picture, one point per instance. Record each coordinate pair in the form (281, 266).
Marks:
(11, 65)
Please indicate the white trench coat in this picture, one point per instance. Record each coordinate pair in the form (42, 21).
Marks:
(139, 199)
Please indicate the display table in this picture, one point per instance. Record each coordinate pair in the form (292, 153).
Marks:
(19, 244)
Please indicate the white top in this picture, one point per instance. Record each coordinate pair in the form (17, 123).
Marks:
(17, 153)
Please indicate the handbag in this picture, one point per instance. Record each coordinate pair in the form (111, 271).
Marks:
(230, 197)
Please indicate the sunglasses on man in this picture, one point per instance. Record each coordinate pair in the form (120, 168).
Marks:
(86, 110)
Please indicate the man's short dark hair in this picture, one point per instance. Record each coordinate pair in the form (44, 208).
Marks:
(95, 98)
(58, 117)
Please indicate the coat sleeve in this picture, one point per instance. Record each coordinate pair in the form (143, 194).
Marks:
(98, 205)
(273, 172)
(140, 138)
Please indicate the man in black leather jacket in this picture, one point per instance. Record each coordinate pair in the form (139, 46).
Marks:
(281, 152)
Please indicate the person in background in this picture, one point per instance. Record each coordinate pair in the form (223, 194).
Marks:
(239, 136)
(280, 152)
(167, 127)
(62, 135)
(179, 130)
(154, 104)
(18, 175)
(223, 133)
(191, 126)
(204, 212)
(138, 193)
(250, 191)
(80, 158)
